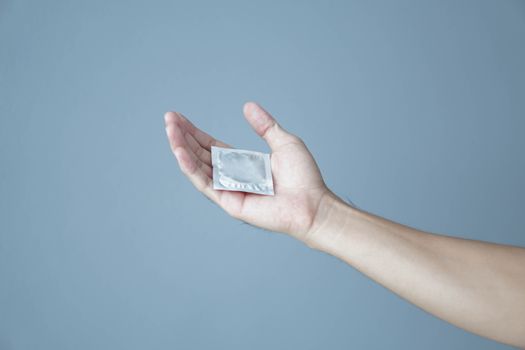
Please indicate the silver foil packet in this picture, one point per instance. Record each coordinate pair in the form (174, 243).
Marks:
(241, 170)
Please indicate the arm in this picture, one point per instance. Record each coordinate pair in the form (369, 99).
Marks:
(475, 285)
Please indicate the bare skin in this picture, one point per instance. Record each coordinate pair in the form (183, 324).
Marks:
(475, 285)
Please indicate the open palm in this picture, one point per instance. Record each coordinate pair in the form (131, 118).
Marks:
(298, 184)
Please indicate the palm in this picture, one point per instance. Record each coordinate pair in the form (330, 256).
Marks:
(297, 180)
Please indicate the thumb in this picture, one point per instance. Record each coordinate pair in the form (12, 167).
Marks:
(267, 127)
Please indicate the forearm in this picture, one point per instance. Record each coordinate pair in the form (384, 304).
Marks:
(475, 285)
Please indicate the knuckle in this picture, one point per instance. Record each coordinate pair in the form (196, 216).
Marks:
(201, 186)
(198, 152)
(234, 214)
(210, 143)
(293, 139)
(297, 139)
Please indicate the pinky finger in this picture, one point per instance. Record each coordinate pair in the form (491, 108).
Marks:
(196, 174)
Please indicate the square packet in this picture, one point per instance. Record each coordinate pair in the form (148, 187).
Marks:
(241, 170)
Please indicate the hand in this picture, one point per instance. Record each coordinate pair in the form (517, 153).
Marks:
(298, 185)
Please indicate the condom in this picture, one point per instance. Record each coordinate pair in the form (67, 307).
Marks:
(241, 170)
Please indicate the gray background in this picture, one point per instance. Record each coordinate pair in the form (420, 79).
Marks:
(414, 110)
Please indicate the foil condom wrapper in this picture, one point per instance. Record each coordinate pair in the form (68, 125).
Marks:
(241, 170)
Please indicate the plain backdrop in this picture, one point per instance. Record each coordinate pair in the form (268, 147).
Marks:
(415, 110)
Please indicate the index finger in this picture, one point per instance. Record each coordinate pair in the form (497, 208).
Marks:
(204, 139)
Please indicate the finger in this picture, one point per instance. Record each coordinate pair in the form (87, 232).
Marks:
(267, 127)
(177, 140)
(203, 154)
(205, 167)
(205, 140)
(174, 132)
(181, 135)
(195, 174)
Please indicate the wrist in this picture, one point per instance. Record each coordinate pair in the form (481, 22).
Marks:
(332, 217)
